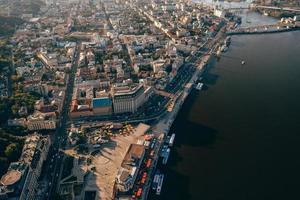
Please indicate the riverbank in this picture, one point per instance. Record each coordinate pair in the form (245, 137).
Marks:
(237, 139)
(162, 128)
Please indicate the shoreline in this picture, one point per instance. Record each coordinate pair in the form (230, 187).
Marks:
(164, 125)
(185, 161)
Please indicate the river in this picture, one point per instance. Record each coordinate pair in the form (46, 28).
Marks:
(239, 138)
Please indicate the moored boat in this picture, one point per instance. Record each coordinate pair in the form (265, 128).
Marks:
(155, 180)
(159, 186)
(171, 141)
(166, 156)
(199, 86)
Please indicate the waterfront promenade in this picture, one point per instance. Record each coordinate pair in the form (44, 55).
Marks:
(165, 122)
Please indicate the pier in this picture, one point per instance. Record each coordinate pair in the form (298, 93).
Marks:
(273, 28)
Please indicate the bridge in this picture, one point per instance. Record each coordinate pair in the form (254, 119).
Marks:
(277, 8)
(263, 29)
(253, 6)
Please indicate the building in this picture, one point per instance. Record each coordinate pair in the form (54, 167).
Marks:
(219, 13)
(129, 98)
(296, 18)
(41, 89)
(41, 121)
(20, 181)
(158, 65)
(130, 167)
(102, 106)
(49, 60)
(17, 122)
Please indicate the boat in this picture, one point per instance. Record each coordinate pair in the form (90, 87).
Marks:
(163, 151)
(199, 86)
(224, 48)
(159, 185)
(227, 41)
(219, 51)
(171, 141)
(243, 62)
(155, 180)
(166, 156)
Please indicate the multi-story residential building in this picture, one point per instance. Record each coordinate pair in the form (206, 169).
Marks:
(158, 65)
(41, 89)
(20, 181)
(41, 121)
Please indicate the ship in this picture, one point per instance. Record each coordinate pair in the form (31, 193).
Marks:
(166, 156)
(199, 86)
(159, 185)
(171, 141)
(155, 180)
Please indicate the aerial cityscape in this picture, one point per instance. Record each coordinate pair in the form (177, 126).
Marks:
(149, 99)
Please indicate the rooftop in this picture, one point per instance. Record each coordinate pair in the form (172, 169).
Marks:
(133, 155)
(11, 177)
(101, 102)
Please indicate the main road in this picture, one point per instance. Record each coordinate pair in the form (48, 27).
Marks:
(60, 134)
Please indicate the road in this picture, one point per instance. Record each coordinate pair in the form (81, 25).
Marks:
(60, 135)
(186, 73)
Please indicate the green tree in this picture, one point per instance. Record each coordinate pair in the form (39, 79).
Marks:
(5, 110)
(82, 138)
(3, 165)
(12, 151)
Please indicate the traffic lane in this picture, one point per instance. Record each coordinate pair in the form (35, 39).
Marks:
(62, 128)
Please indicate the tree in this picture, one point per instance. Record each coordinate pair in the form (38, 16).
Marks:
(57, 197)
(5, 110)
(3, 165)
(12, 151)
(82, 139)
(146, 67)
(169, 68)
(15, 108)
(81, 148)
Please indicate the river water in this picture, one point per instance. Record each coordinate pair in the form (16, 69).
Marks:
(239, 138)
